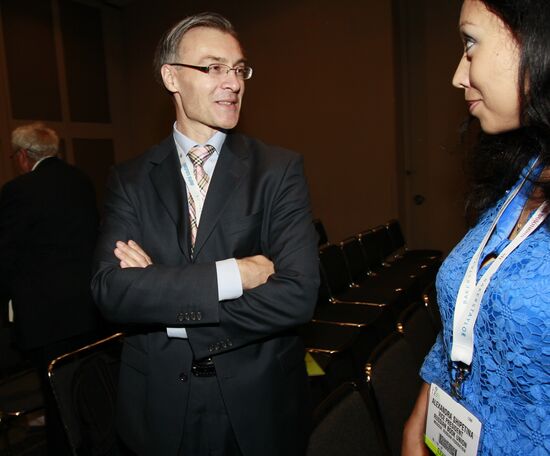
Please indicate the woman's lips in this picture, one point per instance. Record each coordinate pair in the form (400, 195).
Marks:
(472, 104)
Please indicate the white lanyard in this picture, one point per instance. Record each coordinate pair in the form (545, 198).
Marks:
(193, 189)
(471, 293)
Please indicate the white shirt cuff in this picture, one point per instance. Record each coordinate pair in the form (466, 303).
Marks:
(229, 279)
(179, 333)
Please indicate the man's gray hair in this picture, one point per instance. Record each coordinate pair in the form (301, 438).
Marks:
(38, 140)
(167, 48)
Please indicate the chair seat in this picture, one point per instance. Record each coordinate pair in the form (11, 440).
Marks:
(369, 294)
(360, 316)
(326, 337)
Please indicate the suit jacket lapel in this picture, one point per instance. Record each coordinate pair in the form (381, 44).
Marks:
(170, 186)
(230, 169)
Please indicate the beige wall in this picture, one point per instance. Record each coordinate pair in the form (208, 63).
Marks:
(430, 112)
(323, 86)
(360, 88)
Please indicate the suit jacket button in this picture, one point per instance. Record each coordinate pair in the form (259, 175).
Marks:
(186, 316)
(224, 344)
(217, 346)
(210, 348)
(229, 343)
(193, 317)
(183, 377)
(179, 317)
(199, 315)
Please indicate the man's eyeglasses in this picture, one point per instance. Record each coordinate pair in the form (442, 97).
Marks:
(219, 69)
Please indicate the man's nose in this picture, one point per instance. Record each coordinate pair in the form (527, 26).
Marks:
(232, 81)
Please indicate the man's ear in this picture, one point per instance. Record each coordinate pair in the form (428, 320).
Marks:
(24, 162)
(169, 78)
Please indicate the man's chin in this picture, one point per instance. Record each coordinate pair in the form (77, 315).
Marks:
(226, 124)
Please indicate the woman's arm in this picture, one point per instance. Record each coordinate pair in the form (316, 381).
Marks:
(413, 434)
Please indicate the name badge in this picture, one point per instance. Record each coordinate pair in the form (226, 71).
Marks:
(451, 430)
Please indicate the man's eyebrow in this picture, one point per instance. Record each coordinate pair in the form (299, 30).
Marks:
(222, 59)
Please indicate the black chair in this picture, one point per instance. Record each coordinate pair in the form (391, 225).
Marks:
(374, 319)
(361, 274)
(332, 348)
(399, 246)
(337, 281)
(393, 380)
(429, 298)
(84, 383)
(416, 325)
(373, 323)
(345, 424)
(321, 232)
(377, 247)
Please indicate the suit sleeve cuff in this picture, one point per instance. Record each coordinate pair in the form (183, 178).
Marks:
(229, 279)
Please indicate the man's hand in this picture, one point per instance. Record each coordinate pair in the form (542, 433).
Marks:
(254, 271)
(131, 255)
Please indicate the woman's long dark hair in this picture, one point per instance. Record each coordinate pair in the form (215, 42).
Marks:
(496, 160)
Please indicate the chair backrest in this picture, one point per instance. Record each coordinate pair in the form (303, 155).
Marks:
(395, 234)
(356, 262)
(393, 380)
(334, 269)
(384, 241)
(416, 325)
(371, 249)
(84, 383)
(429, 297)
(344, 424)
(321, 232)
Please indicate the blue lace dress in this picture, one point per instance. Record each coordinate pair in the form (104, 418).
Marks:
(508, 388)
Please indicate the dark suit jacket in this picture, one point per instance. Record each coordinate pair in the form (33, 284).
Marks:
(48, 227)
(257, 203)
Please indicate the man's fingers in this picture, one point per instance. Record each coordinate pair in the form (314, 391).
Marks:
(136, 247)
(255, 271)
(131, 255)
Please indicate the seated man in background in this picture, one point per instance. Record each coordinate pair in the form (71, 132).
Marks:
(48, 226)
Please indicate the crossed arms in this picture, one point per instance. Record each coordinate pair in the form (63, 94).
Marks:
(146, 283)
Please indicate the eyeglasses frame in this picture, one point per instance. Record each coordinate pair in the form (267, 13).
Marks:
(206, 69)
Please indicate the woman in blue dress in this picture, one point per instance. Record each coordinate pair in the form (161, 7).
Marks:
(501, 373)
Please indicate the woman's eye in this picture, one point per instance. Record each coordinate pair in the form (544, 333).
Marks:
(468, 43)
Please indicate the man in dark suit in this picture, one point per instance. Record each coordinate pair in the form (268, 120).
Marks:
(212, 364)
(48, 228)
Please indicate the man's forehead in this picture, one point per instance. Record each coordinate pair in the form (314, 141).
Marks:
(210, 44)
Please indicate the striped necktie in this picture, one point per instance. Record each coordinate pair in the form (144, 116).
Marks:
(198, 156)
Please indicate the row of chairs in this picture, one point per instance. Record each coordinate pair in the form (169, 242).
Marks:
(361, 297)
(375, 321)
(366, 411)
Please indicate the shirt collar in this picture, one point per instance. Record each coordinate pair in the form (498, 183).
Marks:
(40, 161)
(185, 143)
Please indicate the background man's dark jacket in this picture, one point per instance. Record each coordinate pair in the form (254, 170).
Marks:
(48, 225)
